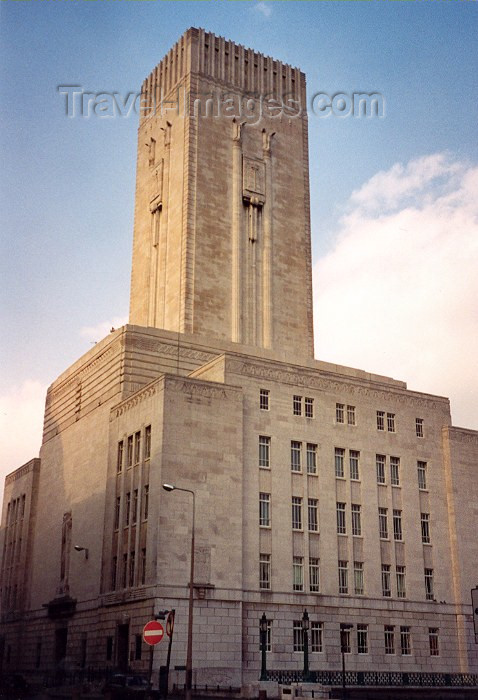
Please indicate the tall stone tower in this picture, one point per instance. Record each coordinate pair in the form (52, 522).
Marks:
(222, 231)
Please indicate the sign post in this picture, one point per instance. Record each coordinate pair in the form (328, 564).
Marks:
(474, 605)
(153, 632)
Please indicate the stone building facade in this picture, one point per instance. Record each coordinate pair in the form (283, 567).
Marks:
(317, 486)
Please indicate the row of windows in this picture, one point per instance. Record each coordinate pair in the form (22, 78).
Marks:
(130, 514)
(125, 576)
(304, 406)
(340, 453)
(133, 449)
(344, 585)
(395, 639)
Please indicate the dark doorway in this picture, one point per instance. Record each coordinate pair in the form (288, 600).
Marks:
(61, 636)
(123, 647)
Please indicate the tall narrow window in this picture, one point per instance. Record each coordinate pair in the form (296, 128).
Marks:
(117, 512)
(354, 457)
(362, 639)
(114, 564)
(314, 574)
(142, 566)
(395, 471)
(298, 636)
(295, 456)
(125, 570)
(383, 523)
(433, 641)
(356, 519)
(405, 641)
(386, 587)
(264, 395)
(422, 475)
(147, 442)
(264, 451)
(129, 455)
(316, 637)
(343, 577)
(138, 644)
(429, 584)
(419, 427)
(311, 458)
(131, 568)
(137, 447)
(339, 413)
(127, 508)
(296, 513)
(339, 462)
(389, 634)
(145, 501)
(397, 525)
(312, 512)
(358, 578)
(380, 420)
(351, 415)
(345, 638)
(264, 509)
(391, 422)
(341, 526)
(380, 467)
(425, 526)
(297, 405)
(401, 588)
(298, 573)
(135, 506)
(309, 407)
(109, 648)
(119, 461)
(264, 571)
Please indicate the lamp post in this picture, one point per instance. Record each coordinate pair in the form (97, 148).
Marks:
(305, 641)
(189, 652)
(344, 632)
(263, 641)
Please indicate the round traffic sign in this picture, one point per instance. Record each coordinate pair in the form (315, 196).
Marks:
(153, 632)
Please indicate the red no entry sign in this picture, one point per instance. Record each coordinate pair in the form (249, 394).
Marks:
(153, 632)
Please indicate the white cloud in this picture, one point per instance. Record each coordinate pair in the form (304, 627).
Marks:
(398, 295)
(21, 425)
(98, 332)
(264, 8)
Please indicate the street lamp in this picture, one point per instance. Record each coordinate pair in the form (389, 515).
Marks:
(305, 642)
(189, 652)
(79, 548)
(263, 640)
(344, 648)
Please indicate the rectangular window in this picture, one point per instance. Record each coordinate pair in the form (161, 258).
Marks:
(391, 422)
(127, 509)
(389, 633)
(296, 513)
(265, 571)
(362, 639)
(343, 577)
(356, 519)
(109, 648)
(405, 641)
(312, 511)
(345, 638)
(298, 636)
(145, 501)
(138, 643)
(119, 461)
(135, 506)
(117, 511)
(422, 475)
(419, 427)
(433, 640)
(317, 637)
(383, 523)
(425, 525)
(341, 526)
(380, 420)
(429, 584)
(265, 509)
(264, 451)
(297, 405)
(395, 471)
(129, 455)
(142, 565)
(295, 456)
(314, 574)
(354, 457)
(339, 462)
(309, 407)
(386, 584)
(380, 466)
(131, 569)
(339, 413)
(397, 525)
(137, 447)
(114, 564)
(401, 587)
(264, 399)
(351, 415)
(125, 570)
(358, 578)
(298, 573)
(147, 442)
(311, 458)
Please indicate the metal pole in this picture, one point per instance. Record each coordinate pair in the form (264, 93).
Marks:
(306, 646)
(189, 653)
(342, 646)
(263, 638)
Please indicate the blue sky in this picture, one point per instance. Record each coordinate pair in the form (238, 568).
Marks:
(67, 189)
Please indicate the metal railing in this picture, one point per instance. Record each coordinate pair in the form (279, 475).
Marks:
(378, 678)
